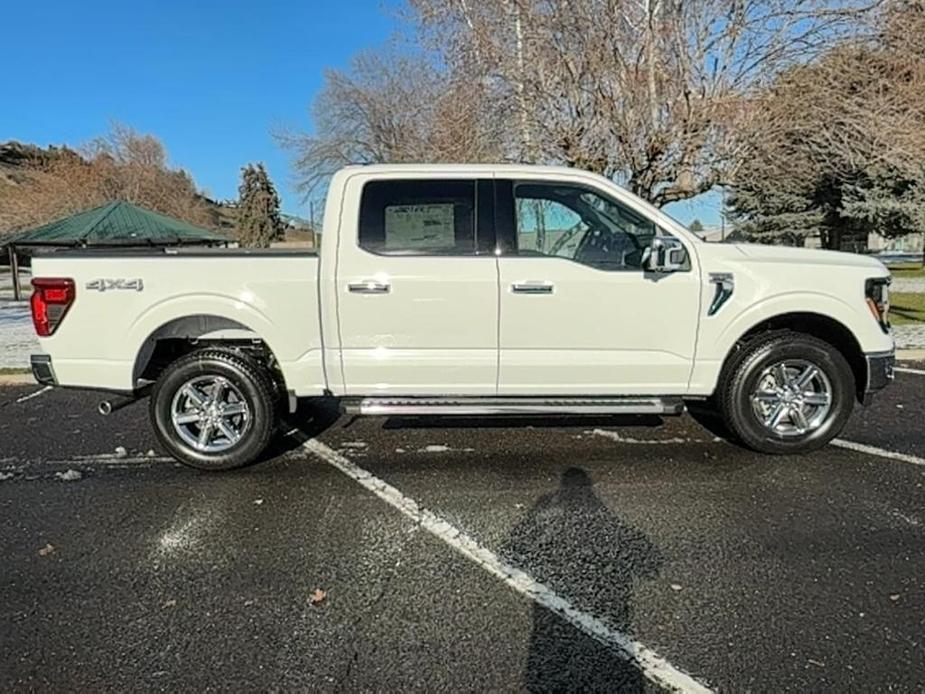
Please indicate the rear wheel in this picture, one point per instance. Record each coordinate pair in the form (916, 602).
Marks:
(787, 392)
(214, 409)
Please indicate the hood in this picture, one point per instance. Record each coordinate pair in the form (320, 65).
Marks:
(808, 256)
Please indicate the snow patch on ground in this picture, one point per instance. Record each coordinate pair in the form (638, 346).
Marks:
(614, 436)
(17, 336)
(69, 475)
(440, 448)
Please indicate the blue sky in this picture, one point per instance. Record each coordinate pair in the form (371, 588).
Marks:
(211, 79)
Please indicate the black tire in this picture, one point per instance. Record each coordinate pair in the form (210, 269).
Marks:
(741, 377)
(252, 382)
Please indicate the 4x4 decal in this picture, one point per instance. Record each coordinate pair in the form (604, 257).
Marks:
(104, 285)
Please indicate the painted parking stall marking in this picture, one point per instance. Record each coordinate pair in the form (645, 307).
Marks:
(36, 394)
(652, 665)
(880, 452)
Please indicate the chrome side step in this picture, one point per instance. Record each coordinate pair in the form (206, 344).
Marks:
(511, 406)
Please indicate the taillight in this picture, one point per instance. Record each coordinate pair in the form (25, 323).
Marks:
(877, 294)
(50, 301)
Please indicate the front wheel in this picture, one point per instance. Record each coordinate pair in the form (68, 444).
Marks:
(787, 393)
(214, 409)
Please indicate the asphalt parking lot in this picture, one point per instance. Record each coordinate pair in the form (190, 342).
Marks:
(384, 554)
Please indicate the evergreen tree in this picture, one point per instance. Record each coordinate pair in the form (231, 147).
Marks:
(838, 146)
(696, 226)
(259, 222)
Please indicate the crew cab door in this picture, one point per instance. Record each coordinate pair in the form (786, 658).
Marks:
(579, 315)
(417, 287)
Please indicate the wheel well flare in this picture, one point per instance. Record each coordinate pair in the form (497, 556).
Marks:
(821, 327)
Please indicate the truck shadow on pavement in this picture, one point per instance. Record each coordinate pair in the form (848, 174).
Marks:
(575, 545)
(310, 419)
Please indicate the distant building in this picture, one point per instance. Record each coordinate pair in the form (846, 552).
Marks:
(903, 248)
(908, 244)
(299, 233)
(713, 234)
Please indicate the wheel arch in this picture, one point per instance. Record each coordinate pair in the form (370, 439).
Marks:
(822, 327)
(181, 335)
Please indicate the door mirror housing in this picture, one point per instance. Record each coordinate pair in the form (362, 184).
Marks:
(665, 254)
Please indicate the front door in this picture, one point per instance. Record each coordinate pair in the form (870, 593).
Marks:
(417, 288)
(579, 315)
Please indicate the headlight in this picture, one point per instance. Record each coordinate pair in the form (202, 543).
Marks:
(877, 293)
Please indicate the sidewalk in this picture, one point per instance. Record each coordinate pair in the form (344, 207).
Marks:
(909, 336)
(908, 285)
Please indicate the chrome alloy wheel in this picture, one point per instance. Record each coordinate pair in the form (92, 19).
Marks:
(210, 414)
(792, 397)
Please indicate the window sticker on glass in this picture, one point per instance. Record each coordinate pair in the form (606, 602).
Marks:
(419, 226)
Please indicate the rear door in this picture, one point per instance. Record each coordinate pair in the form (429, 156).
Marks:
(579, 315)
(417, 287)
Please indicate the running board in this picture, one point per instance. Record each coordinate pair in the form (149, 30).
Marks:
(510, 406)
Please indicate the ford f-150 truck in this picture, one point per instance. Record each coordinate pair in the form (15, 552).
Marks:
(470, 290)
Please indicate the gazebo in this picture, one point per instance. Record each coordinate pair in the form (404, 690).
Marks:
(116, 224)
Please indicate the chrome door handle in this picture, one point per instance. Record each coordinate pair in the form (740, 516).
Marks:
(369, 287)
(532, 287)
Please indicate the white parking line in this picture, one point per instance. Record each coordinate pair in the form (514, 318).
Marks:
(907, 370)
(881, 452)
(652, 665)
(34, 395)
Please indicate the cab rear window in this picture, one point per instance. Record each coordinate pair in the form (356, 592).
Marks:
(419, 217)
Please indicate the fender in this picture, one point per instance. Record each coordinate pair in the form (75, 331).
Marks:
(156, 316)
(865, 330)
(296, 366)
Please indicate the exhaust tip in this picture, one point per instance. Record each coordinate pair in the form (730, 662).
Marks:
(104, 408)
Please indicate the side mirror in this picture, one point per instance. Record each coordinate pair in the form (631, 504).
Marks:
(665, 254)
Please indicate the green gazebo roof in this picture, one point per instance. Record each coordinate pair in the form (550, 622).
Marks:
(116, 224)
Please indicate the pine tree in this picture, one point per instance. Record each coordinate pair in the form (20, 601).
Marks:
(259, 221)
(696, 226)
(837, 147)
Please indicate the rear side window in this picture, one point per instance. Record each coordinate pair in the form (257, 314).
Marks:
(419, 217)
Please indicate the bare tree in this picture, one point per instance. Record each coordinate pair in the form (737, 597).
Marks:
(648, 92)
(391, 108)
(123, 165)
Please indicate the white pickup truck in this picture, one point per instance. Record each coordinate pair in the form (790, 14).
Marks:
(471, 290)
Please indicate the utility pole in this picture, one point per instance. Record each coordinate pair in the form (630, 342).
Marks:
(14, 269)
(311, 221)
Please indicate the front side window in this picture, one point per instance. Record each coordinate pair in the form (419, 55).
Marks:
(418, 217)
(568, 221)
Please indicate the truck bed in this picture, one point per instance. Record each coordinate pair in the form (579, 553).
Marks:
(127, 298)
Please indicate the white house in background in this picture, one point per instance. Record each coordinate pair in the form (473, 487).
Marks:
(911, 243)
